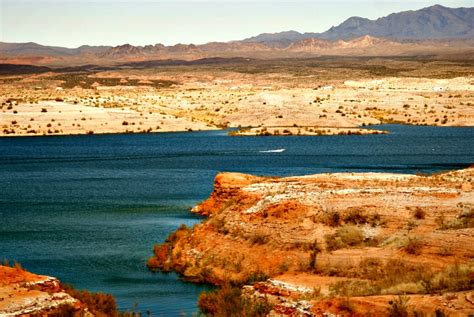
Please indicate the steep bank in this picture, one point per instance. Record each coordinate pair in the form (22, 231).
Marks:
(334, 243)
(26, 294)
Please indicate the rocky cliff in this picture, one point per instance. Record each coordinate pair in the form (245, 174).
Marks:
(26, 294)
(344, 244)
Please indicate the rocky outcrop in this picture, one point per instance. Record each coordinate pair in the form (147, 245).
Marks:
(227, 191)
(26, 294)
(333, 243)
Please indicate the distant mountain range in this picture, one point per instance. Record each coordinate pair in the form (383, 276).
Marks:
(435, 22)
(431, 29)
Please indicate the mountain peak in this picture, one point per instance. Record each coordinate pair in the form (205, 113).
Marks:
(434, 22)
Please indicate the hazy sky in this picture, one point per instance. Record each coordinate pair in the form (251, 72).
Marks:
(72, 23)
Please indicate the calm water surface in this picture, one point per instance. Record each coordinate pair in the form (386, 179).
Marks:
(88, 209)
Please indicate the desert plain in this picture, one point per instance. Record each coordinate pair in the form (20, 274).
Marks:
(317, 245)
(313, 96)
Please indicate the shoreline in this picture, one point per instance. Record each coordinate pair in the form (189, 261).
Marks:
(318, 131)
(23, 293)
(271, 237)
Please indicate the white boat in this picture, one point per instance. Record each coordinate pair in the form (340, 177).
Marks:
(273, 151)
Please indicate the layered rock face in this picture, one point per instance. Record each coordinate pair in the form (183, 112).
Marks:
(344, 243)
(26, 294)
(23, 293)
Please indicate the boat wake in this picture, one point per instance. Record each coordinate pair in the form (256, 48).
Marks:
(273, 151)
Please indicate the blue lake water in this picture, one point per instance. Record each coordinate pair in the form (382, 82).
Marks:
(88, 209)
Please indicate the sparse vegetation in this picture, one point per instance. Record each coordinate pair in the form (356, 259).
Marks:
(229, 301)
(98, 303)
(345, 236)
(414, 246)
(419, 213)
(399, 307)
(465, 219)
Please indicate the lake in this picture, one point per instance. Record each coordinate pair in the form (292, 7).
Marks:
(88, 209)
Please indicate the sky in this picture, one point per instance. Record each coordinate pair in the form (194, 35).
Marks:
(71, 23)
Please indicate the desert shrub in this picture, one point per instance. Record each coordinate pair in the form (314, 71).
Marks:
(345, 236)
(162, 252)
(64, 310)
(257, 276)
(464, 220)
(438, 313)
(445, 251)
(398, 272)
(204, 274)
(398, 277)
(354, 216)
(218, 222)
(256, 307)
(333, 242)
(411, 224)
(419, 213)
(332, 218)
(283, 267)
(369, 267)
(14, 264)
(182, 231)
(406, 288)
(413, 246)
(259, 237)
(228, 301)
(302, 264)
(399, 307)
(454, 278)
(301, 245)
(440, 220)
(346, 305)
(315, 250)
(98, 303)
(354, 288)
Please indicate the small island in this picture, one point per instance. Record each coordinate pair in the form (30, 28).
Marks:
(298, 131)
